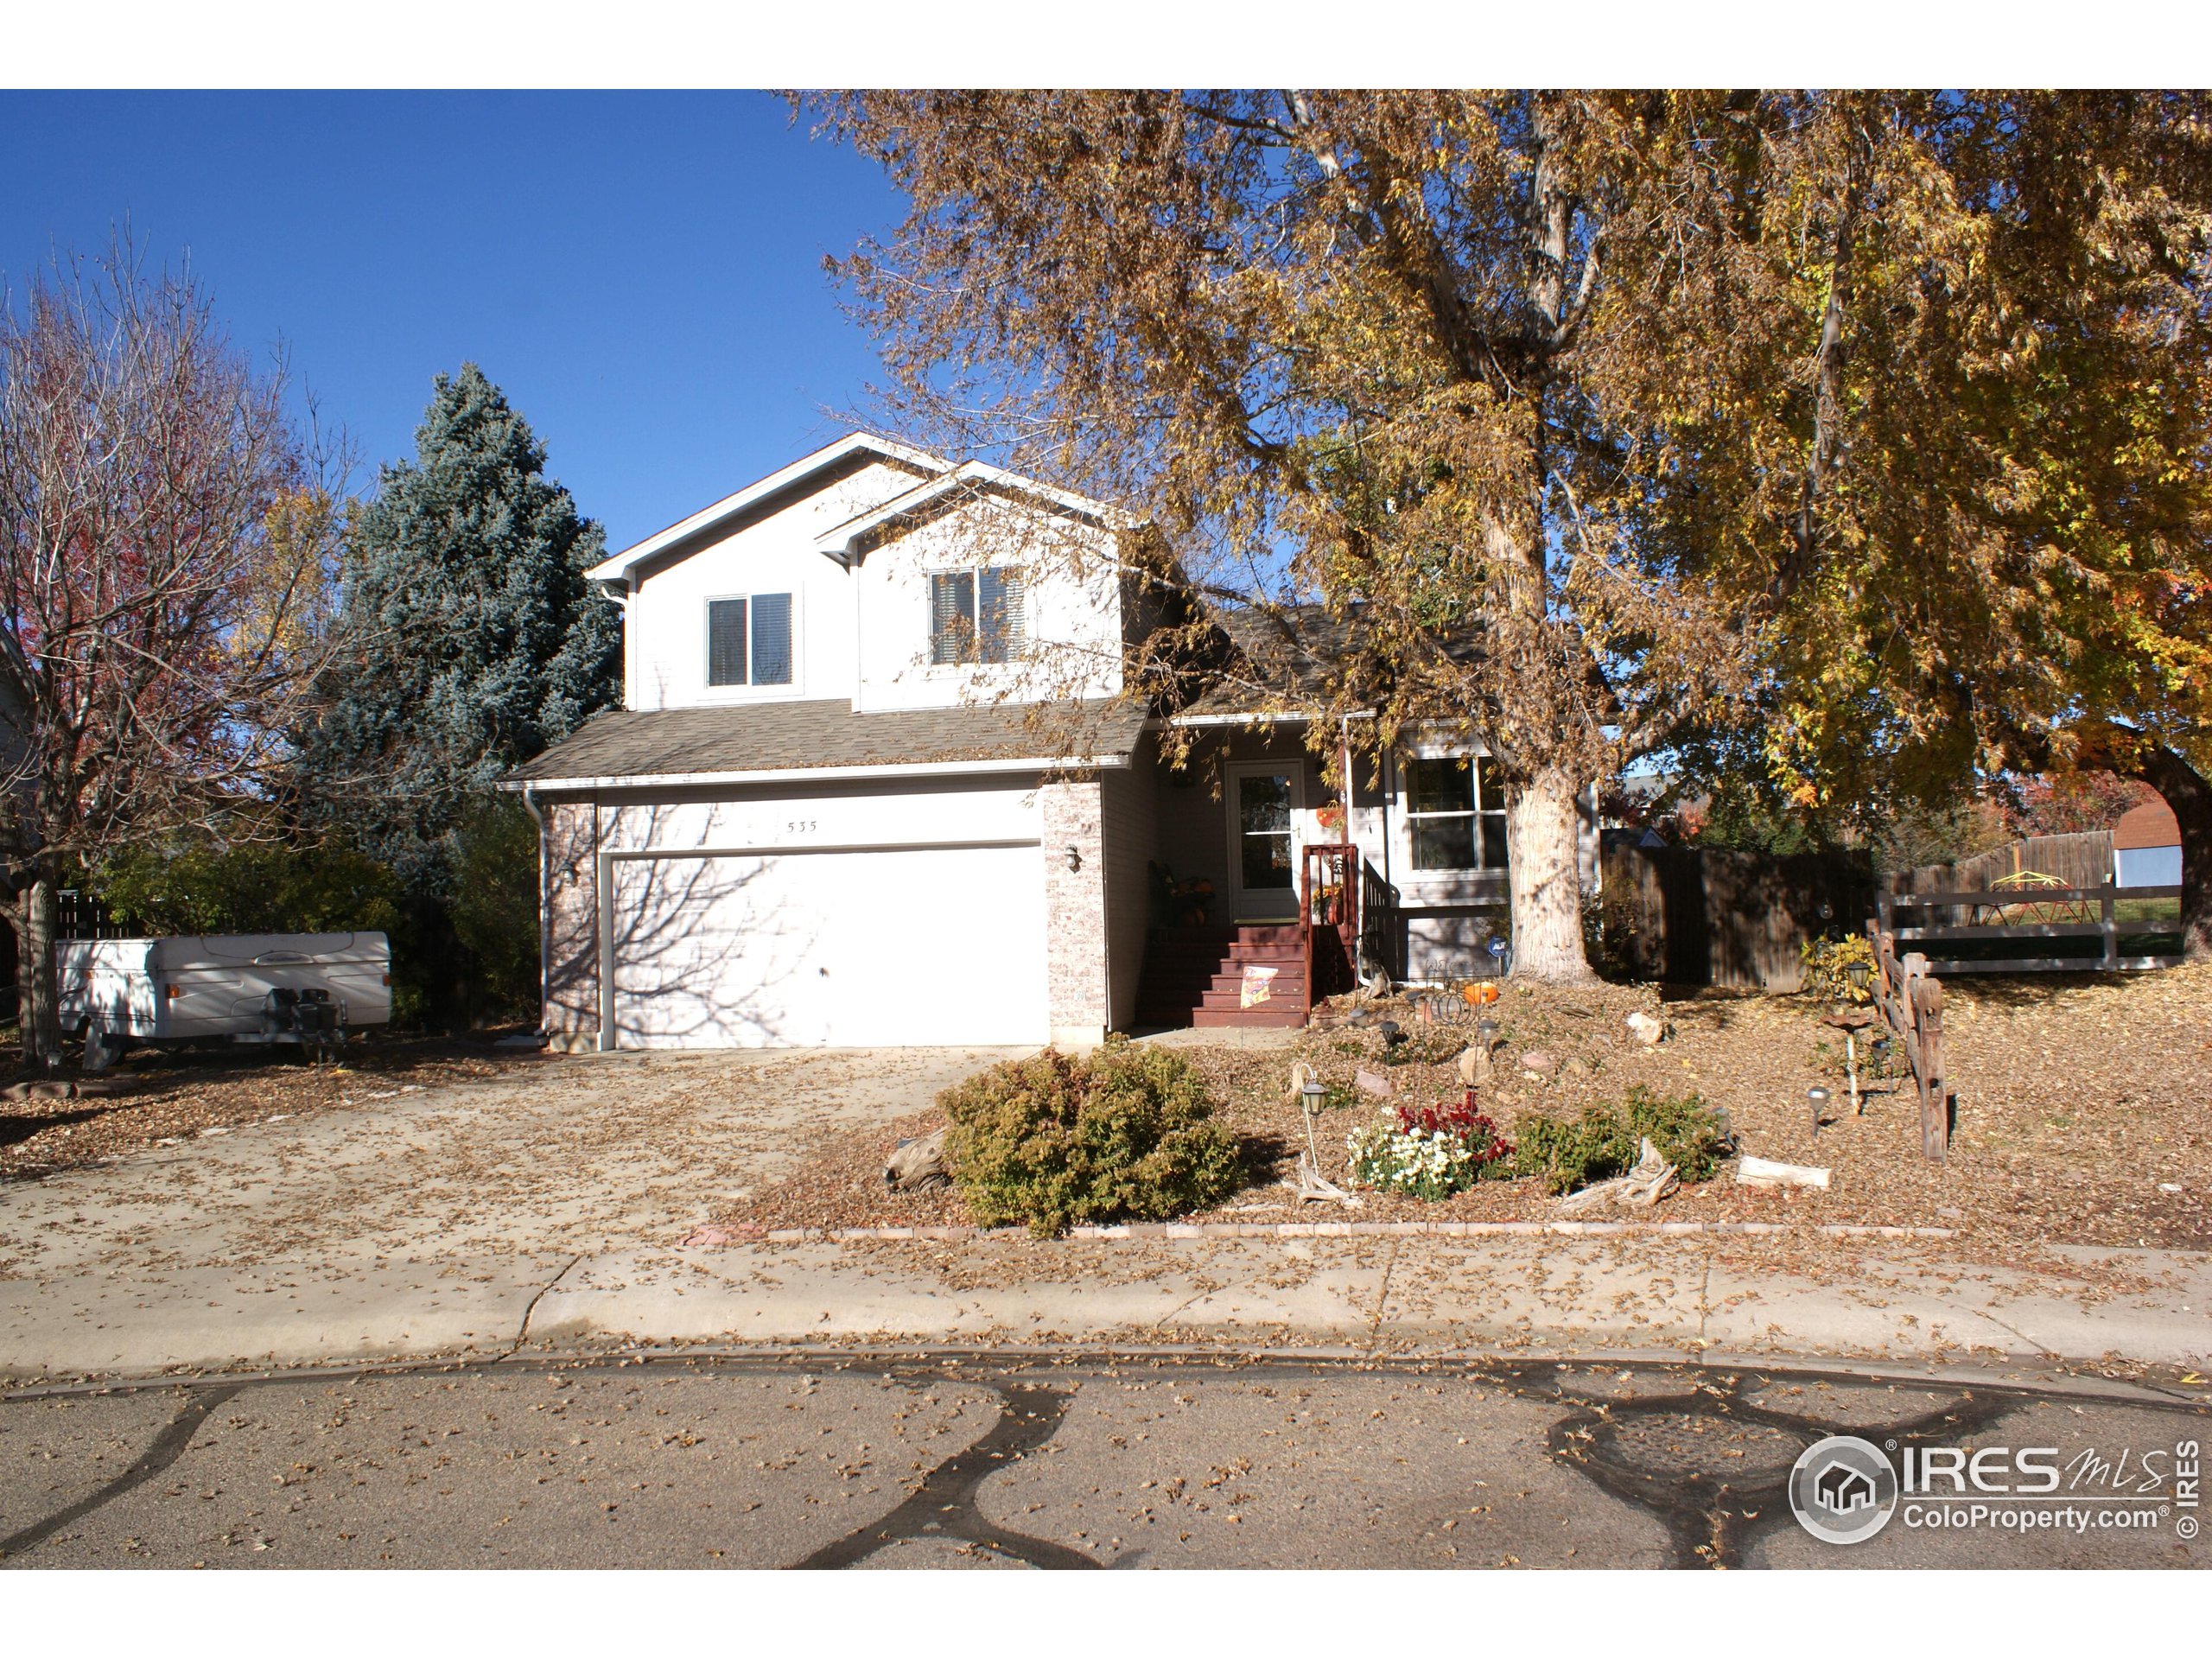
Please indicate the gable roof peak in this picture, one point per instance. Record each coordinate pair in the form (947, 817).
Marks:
(619, 566)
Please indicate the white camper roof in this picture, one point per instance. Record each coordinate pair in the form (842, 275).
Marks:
(252, 950)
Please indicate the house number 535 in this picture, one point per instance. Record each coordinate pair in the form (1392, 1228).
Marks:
(801, 826)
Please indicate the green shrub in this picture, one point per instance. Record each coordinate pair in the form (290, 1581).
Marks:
(1685, 1131)
(495, 901)
(1568, 1154)
(1126, 1134)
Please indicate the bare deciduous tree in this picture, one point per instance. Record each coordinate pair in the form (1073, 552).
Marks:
(168, 533)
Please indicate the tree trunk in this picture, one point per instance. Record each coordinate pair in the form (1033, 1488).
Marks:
(39, 1012)
(2189, 794)
(1541, 827)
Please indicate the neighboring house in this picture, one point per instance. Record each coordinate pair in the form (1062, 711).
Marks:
(2146, 848)
(879, 780)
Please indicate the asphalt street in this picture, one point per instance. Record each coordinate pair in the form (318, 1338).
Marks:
(975, 1462)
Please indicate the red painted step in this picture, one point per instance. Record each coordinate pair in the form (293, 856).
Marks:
(1196, 976)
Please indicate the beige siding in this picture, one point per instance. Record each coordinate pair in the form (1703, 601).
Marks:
(1075, 912)
(571, 1016)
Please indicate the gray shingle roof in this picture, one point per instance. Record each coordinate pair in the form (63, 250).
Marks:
(1292, 662)
(800, 736)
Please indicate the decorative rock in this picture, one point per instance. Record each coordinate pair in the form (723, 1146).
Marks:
(1646, 1029)
(1539, 1063)
(1474, 1067)
(1373, 1082)
(1575, 1067)
(1761, 1172)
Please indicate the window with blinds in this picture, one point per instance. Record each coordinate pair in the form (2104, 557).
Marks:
(749, 640)
(725, 657)
(976, 616)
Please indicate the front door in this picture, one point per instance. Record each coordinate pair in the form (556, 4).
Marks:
(1264, 801)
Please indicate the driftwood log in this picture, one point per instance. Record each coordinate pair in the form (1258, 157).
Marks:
(917, 1165)
(1652, 1180)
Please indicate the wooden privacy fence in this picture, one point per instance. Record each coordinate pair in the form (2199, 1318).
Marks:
(1703, 915)
(2078, 861)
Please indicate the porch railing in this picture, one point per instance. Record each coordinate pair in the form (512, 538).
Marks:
(1329, 889)
(1378, 908)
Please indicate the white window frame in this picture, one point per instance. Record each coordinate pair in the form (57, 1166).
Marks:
(974, 574)
(750, 692)
(1479, 763)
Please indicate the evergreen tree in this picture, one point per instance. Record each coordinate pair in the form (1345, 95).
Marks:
(472, 640)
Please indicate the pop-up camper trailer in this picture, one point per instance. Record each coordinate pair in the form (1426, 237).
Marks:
(313, 988)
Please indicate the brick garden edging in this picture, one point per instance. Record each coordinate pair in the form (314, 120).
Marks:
(710, 1236)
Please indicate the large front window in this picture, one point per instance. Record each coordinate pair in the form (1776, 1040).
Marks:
(1455, 809)
(749, 640)
(976, 615)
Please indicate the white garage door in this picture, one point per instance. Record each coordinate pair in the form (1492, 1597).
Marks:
(847, 949)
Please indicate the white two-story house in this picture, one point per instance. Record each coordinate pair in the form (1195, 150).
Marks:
(878, 780)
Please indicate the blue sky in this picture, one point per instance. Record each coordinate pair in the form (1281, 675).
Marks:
(640, 272)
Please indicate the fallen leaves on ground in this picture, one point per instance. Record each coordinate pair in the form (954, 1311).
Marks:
(2082, 1099)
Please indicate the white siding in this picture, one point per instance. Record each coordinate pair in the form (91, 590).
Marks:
(665, 627)
(864, 634)
(1072, 612)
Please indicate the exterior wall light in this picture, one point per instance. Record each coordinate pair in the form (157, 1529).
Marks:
(1075, 859)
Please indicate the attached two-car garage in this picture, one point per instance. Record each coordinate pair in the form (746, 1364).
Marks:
(850, 945)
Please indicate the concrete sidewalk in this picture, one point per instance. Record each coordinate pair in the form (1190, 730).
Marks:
(1667, 1297)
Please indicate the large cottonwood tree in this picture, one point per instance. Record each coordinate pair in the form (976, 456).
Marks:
(1565, 410)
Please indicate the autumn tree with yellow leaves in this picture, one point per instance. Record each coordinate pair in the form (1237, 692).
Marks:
(1866, 423)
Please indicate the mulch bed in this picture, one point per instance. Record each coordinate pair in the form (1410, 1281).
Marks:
(151, 1098)
(2081, 1097)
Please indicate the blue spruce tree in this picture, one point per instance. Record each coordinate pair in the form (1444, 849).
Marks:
(471, 643)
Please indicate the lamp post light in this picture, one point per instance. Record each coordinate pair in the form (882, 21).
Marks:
(1310, 1098)
(1817, 1098)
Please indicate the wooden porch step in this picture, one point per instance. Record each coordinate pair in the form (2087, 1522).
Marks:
(1280, 1018)
(1284, 933)
(1227, 949)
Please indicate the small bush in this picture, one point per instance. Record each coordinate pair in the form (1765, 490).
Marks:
(1685, 1131)
(1568, 1154)
(1429, 1151)
(1827, 968)
(1126, 1134)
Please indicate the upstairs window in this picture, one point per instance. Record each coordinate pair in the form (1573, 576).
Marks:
(976, 615)
(1455, 809)
(749, 640)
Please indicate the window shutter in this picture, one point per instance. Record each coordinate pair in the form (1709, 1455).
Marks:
(771, 638)
(725, 642)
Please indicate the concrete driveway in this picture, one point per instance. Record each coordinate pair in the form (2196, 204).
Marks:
(460, 1200)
